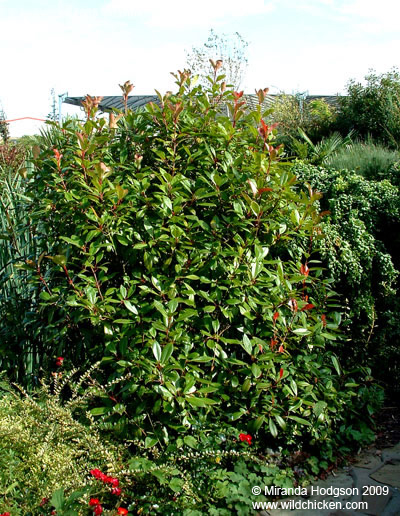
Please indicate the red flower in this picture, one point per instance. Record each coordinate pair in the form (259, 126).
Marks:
(116, 491)
(280, 373)
(103, 477)
(245, 437)
(96, 473)
(5, 514)
(98, 509)
(121, 510)
(43, 502)
(114, 482)
(94, 501)
(59, 361)
(275, 316)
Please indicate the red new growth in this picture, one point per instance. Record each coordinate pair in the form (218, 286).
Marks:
(275, 316)
(121, 510)
(323, 319)
(308, 306)
(262, 190)
(94, 501)
(281, 350)
(304, 270)
(280, 373)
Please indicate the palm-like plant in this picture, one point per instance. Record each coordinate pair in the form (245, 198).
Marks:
(319, 153)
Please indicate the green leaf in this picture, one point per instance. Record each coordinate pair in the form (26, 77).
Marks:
(256, 370)
(319, 407)
(300, 420)
(201, 402)
(150, 442)
(190, 441)
(281, 422)
(336, 364)
(272, 428)
(246, 344)
(176, 484)
(209, 308)
(132, 308)
(187, 314)
(160, 308)
(91, 295)
(156, 283)
(258, 423)
(156, 351)
(166, 353)
(57, 500)
(301, 331)
(100, 411)
(59, 259)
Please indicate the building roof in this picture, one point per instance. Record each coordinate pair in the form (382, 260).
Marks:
(135, 102)
(115, 102)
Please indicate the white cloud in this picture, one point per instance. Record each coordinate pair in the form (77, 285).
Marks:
(371, 16)
(184, 14)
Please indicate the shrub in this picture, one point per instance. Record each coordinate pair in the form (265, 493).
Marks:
(361, 249)
(177, 248)
(44, 446)
(374, 108)
(315, 117)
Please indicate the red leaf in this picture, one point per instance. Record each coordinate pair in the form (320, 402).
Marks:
(281, 350)
(275, 316)
(323, 319)
(262, 190)
(280, 373)
(309, 306)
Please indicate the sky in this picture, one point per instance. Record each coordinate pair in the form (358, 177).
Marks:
(84, 47)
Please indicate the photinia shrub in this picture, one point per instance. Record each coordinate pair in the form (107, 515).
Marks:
(178, 252)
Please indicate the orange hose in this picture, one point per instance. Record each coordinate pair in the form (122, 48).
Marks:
(23, 118)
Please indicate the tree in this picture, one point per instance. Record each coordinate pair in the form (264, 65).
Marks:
(53, 115)
(230, 49)
(4, 131)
